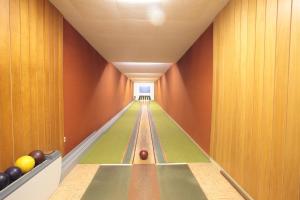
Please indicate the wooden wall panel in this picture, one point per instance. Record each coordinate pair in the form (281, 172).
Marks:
(255, 127)
(6, 123)
(31, 78)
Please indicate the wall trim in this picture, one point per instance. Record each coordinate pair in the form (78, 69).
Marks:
(231, 180)
(223, 172)
(71, 159)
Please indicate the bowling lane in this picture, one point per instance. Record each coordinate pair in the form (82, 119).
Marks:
(144, 139)
(110, 148)
(177, 146)
(110, 182)
(144, 183)
(177, 182)
(145, 179)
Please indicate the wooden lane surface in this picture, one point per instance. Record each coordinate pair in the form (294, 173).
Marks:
(144, 140)
(110, 182)
(177, 182)
(144, 183)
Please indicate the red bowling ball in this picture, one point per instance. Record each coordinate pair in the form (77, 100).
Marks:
(38, 156)
(143, 154)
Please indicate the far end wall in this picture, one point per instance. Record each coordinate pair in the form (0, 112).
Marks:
(94, 90)
(185, 91)
(138, 92)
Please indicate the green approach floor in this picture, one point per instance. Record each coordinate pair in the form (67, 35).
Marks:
(110, 182)
(177, 146)
(178, 182)
(175, 182)
(112, 145)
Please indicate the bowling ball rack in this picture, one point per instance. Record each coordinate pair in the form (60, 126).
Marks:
(37, 184)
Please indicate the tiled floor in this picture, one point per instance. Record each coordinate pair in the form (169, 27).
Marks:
(214, 185)
(76, 182)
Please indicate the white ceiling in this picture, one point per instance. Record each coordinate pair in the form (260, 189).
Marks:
(130, 33)
(142, 70)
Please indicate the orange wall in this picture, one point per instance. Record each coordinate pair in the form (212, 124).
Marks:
(185, 91)
(94, 90)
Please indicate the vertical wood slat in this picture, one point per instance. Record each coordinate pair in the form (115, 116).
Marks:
(31, 99)
(261, 87)
(268, 99)
(266, 122)
(51, 72)
(42, 74)
(60, 133)
(218, 95)
(33, 66)
(280, 97)
(247, 97)
(16, 76)
(291, 150)
(242, 81)
(240, 51)
(47, 72)
(26, 86)
(214, 90)
(6, 126)
(55, 78)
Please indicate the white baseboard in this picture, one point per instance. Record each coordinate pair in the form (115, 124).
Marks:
(71, 159)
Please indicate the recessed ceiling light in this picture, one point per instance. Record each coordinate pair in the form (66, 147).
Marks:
(139, 1)
(142, 64)
(157, 16)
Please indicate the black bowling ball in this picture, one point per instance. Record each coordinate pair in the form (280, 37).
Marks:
(14, 173)
(4, 181)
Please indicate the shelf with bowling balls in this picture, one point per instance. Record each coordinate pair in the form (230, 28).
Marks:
(23, 165)
(24, 168)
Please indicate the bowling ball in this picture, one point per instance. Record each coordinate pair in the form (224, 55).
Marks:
(14, 173)
(143, 154)
(25, 163)
(38, 156)
(4, 181)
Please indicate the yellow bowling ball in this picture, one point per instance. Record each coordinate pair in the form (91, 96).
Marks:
(25, 163)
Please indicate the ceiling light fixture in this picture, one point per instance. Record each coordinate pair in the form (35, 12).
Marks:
(156, 16)
(139, 1)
